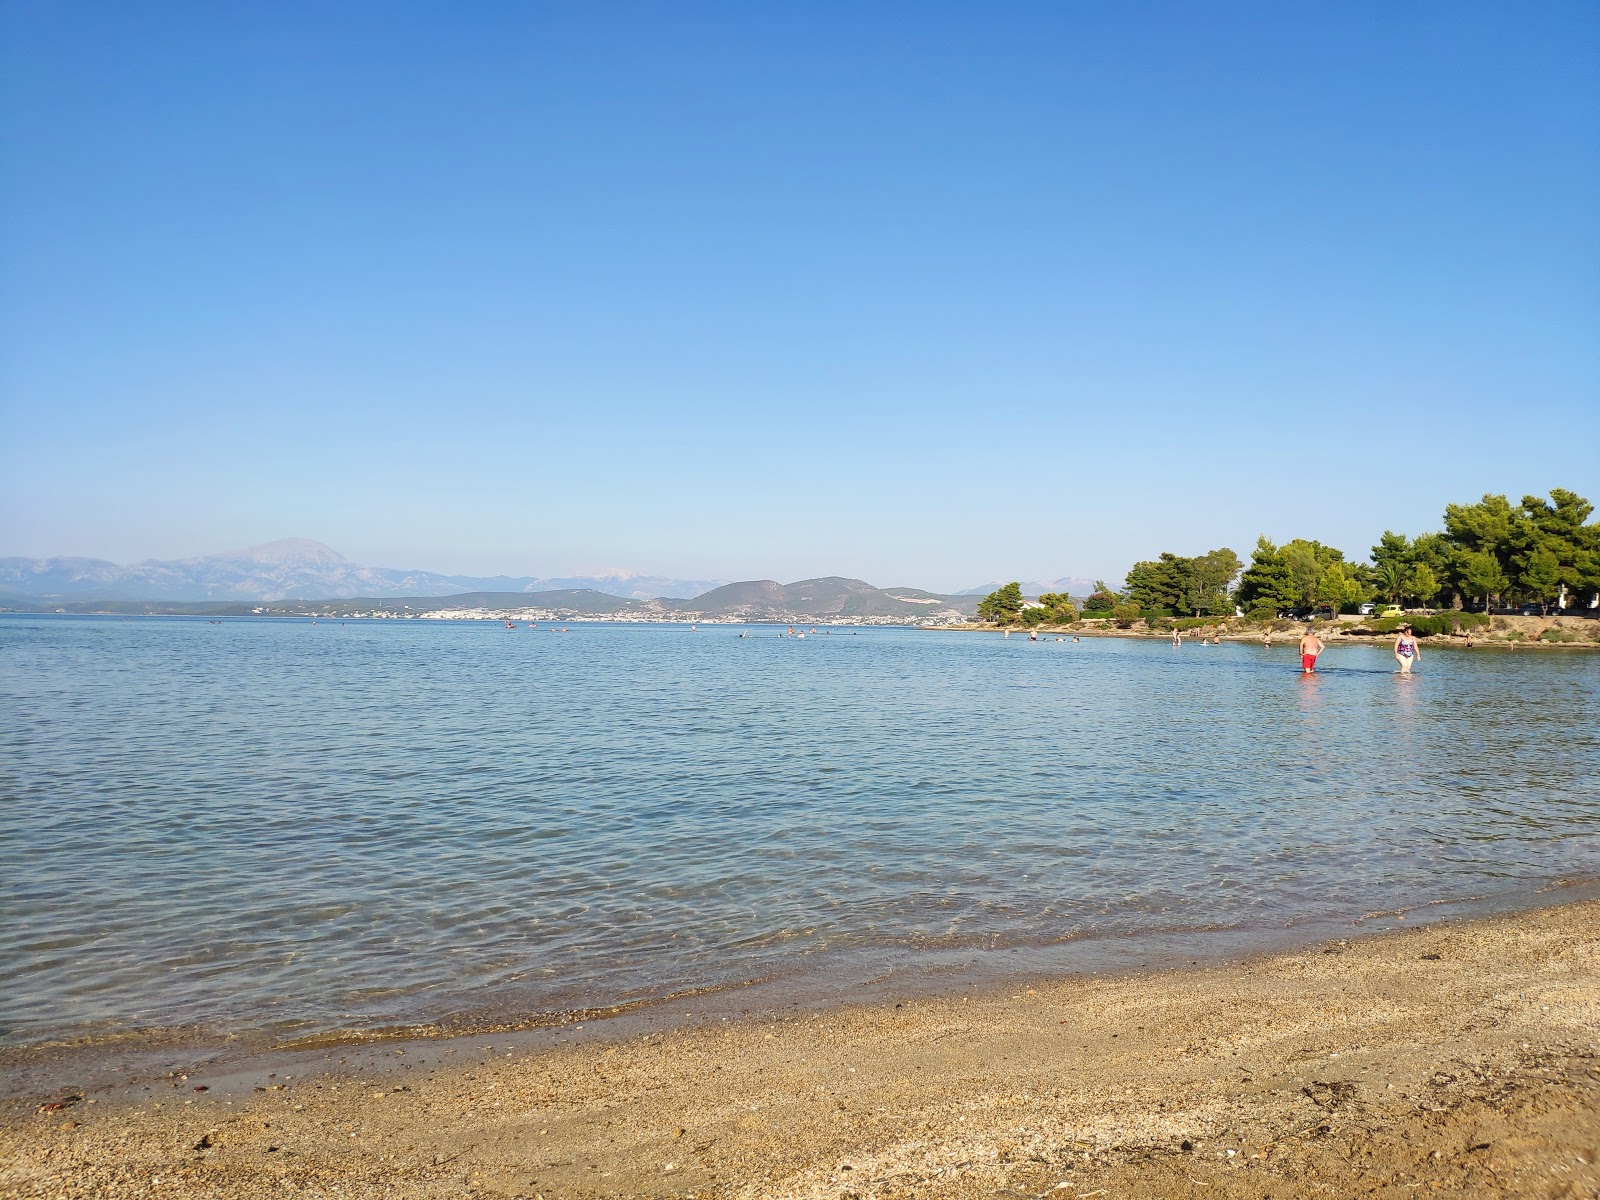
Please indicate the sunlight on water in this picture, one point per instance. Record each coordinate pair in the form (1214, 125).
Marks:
(323, 826)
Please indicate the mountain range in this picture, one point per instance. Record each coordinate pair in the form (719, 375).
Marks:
(300, 575)
(291, 569)
(1071, 585)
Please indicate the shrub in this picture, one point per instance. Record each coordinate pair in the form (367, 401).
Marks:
(1057, 614)
(1559, 635)
(1125, 615)
(1433, 626)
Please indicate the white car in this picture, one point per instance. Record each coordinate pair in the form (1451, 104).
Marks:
(1367, 609)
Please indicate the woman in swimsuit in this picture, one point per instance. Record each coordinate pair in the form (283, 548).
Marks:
(1406, 650)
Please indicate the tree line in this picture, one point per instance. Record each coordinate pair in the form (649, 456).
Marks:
(1541, 551)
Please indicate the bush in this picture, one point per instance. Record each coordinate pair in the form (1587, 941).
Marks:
(1448, 622)
(1445, 622)
(1060, 614)
(1125, 615)
(1558, 635)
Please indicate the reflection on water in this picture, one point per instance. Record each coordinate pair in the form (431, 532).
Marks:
(326, 826)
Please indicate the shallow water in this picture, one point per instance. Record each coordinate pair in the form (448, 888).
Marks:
(275, 825)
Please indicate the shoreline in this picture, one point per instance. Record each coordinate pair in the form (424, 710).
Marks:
(124, 1059)
(1462, 1055)
(1229, 629)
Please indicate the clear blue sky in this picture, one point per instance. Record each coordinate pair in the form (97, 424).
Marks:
(927, 294)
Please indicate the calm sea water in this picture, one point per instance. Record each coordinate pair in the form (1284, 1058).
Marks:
(269, 825)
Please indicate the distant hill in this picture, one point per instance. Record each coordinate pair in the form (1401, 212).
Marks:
(296, 575)
(289, 569)
(820, 599)
(1071, 585)
(810, 600)
(577, 600)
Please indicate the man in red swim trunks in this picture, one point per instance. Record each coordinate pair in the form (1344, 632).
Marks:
(1310, 646)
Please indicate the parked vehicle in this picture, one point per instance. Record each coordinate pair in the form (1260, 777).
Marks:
(1367, 609)
(1391, 610)
(1531, 610)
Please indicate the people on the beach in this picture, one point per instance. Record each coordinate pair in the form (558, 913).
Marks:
(1310, 647)
(1177, 636)
(1406, 650)
(1266, 639)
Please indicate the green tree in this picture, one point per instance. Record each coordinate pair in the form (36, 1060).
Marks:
(1307, 560)
(1101, 600)
(1393, 576)
(1480, 574)
(1556, 529)
(1210, 577)
(1393, 550)
(1059, 608)
(1492, 527)
(1159, 584)
(1266, 581)
(1191, 585)
(1338, 587)
(1421, 582)
(1001, 606)
(1542, 578)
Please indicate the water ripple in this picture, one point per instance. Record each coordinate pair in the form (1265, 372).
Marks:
(328, 826)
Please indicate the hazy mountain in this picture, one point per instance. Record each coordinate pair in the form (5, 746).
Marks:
(820, 599)
(292, 568)
(625, 584)
(580, 600)
(296, 569)
(1071, 585)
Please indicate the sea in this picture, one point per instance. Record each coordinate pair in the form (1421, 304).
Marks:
(286, 829)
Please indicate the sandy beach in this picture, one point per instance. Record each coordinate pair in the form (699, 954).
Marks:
(1460, 1059)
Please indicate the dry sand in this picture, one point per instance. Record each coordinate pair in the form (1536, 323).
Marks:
(1456, 1060)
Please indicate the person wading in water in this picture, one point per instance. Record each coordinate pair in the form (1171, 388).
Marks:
(1406, 650)
(1310, 646)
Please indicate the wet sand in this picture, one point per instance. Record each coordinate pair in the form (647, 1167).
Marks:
(1458, 1060)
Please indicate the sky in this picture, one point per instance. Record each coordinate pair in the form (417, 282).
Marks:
(926, 294)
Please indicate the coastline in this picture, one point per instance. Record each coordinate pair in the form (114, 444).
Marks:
(1511, 633)
(1462, 1056)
